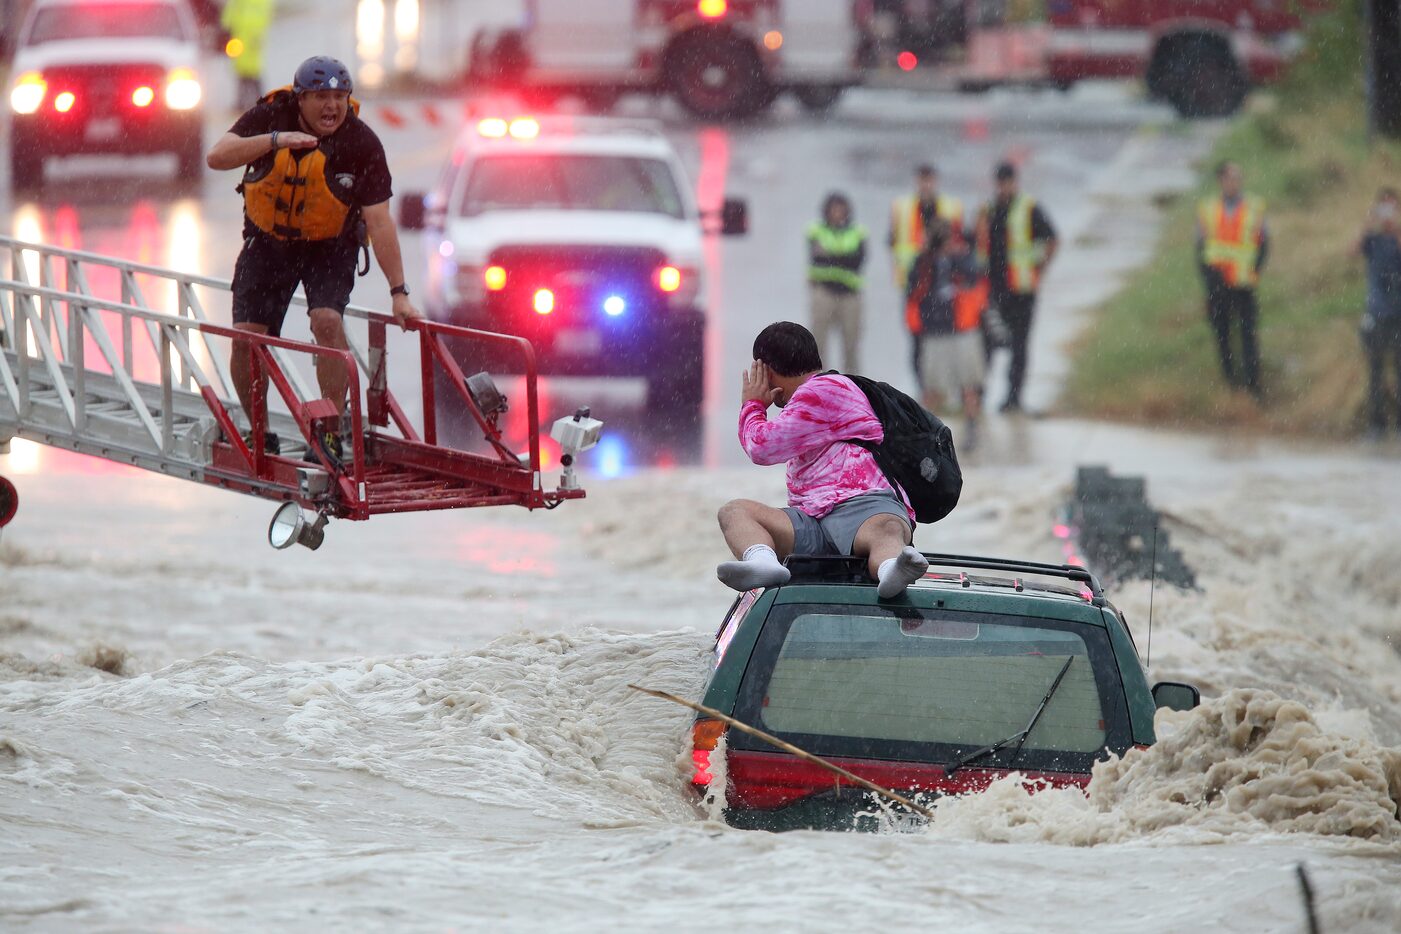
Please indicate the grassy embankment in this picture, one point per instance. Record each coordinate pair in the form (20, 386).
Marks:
(1151, 357)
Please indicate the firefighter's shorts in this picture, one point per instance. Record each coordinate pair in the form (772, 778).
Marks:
(269, 270)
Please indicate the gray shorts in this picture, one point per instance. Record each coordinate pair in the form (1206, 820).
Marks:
(835, 533)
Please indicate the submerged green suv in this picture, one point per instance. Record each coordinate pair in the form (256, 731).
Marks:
(983, 668)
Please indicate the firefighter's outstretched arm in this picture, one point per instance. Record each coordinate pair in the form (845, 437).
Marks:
(384, 238)
(234, 151)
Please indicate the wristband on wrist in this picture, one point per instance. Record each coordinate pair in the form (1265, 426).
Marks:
(400, 289)
(274, 141)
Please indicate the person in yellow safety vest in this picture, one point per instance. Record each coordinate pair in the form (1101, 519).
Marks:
(1016, 242)
(1232, 245)
(247, 22)
(315, 185)
(837, 251)
(911, 218)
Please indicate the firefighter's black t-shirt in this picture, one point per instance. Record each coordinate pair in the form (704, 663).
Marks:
(354, 149)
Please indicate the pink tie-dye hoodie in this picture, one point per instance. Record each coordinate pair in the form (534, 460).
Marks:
(808, 433)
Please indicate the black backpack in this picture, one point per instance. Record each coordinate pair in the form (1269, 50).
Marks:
(917, 455)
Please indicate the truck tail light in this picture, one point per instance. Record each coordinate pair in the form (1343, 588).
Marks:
(668, 278)
(182, 90)
(494, 278)
(544, 301)
(143, 96)
(64, 101)
(28, 92)
(680, 285)
(712, 9)
(705, 736)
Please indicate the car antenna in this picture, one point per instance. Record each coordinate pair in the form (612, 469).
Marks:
(1152, 586)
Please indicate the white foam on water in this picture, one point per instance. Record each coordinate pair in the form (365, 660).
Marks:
(403, 731)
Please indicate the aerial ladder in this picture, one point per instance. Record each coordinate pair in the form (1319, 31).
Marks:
(119, 378)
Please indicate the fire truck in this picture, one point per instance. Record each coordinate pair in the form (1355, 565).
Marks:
(718, 58)
(1202, 56)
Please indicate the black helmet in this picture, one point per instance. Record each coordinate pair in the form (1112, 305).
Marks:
(322, 73)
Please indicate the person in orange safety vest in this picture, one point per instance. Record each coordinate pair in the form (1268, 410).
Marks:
(1016, 242)
(1232, 245)
(911, 217)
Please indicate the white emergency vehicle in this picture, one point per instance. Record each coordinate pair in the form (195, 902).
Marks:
(581, 234)
(719, 58)
(120, 76)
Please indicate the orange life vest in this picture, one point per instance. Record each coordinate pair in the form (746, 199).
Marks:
(291, 198)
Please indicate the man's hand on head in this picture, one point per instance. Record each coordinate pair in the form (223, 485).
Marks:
(755, 385)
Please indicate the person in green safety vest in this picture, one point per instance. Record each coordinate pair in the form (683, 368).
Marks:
(836, 253)
(246, 22)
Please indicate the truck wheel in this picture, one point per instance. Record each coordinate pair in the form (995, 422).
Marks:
(26, 168)
(189, 167)
(717, 75)
(674, 396)
(1200, 77)
(818, 98)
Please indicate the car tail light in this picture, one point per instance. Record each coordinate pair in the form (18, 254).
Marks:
(544, 301)
(182, 90)
(143, 96)
(705, 736)
(64, 101)
(494, 278)
(28, 92)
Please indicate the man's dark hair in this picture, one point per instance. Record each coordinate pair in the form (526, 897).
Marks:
(834, 199)
(925, 170)
(1224, 165)
(788, 349)
(1389, 194)
(1005, 171)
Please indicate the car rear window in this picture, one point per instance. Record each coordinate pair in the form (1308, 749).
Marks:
(581, 183)
(926, 685)
(106, 21)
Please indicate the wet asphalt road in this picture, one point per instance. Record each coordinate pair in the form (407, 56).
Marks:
(783, 164)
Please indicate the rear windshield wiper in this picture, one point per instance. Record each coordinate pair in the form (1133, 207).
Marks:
(1018, 737)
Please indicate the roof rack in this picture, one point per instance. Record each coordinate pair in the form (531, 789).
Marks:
(1068, 571)
(841, 569)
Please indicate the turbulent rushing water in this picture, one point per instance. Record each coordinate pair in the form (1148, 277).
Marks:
(426, 724)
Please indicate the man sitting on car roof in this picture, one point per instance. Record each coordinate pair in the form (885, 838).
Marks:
(839, 501)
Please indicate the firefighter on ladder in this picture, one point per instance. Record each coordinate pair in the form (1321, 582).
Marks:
(1232, 244)
(911, 217)
(316, 189)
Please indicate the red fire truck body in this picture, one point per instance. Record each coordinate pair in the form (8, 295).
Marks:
(1201, 55)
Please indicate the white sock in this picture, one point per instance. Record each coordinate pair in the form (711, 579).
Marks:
(760, 553)
(899, 572)
(759, 567)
